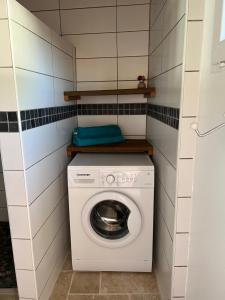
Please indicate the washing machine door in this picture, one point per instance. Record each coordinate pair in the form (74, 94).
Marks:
(111, 219)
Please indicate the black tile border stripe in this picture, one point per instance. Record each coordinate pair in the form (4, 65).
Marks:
(112, 109)
(9, 121)
(42, 116)
(165, 114)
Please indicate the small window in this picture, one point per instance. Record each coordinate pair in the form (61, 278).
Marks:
(218, 54)
(222, 27)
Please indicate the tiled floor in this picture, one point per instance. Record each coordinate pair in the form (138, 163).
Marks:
(104, 285)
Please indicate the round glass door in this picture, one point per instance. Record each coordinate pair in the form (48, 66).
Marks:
(109, 219)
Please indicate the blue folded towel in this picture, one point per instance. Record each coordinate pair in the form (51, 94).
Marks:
(88, 136)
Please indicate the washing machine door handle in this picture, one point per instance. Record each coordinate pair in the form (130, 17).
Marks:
(134, 222)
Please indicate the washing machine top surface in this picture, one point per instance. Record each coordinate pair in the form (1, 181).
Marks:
(140, 160)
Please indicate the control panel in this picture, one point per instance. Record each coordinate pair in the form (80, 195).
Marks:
(110, 178)
(127, 179)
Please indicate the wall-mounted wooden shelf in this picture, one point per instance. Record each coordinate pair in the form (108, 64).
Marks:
(76, 95)
(128, 146)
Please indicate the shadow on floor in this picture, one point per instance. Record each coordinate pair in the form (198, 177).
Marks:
(104, 285)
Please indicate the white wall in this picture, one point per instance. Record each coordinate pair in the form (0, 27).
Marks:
(174, 66)
(207, 246)
(39, 68)
(112, 40)
(167, 36)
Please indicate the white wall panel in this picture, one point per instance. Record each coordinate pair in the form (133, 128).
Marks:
(38, 48)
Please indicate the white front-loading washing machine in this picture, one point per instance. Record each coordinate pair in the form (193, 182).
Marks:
(111, 212)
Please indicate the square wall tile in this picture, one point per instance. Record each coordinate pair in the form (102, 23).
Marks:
(62, 64)
(132, 125)
(166, 174)
(19, 222)
(96, 120)
(133, 43)
(44, 205)
(22, 253)
(3, 9)
(15, 187)
(87, 86)
(196, 9)
(130, 67)
(62, 43)
(131, 2)
(187, 138)
(99, 99)
(25, 18)
(173, 47)
(181, 249)
(47, 233)
(11, 160)
(133, 18)
(131, 99)
(101, 69)
(33, 147)
(26, 284)
(28, 87)
(50, 18)
(94, 45)
(193, 54)
(85, 3)
(191, 92)
(166, 207)
(43, 173)
(38, 49)
(35, 5)
(131, 84)
(60, 86)
(168, 88)
(185, 177)
(92, 20)
(179, 282)
(183, 216)
(6, 55)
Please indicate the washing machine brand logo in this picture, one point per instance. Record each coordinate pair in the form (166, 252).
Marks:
(83, 174)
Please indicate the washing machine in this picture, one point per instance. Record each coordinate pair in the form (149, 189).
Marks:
(111, 212)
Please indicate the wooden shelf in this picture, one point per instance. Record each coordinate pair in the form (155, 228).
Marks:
(128, 146)
(76, 95)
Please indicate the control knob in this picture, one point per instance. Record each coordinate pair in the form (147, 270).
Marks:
(110, 179)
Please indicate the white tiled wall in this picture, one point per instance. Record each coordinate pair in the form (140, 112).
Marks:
(167, 37)
(34, 161)
(111, 39)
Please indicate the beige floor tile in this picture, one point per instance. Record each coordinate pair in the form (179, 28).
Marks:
(62, 285)
(68, 263)
(8, 297)
(98, 297)
(116, 282)
(85, 283)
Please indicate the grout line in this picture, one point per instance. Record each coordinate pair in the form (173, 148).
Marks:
(36, 72)
(100, 282)
(117, 56)
(72, 278)
(105, 32)
(119, 294)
